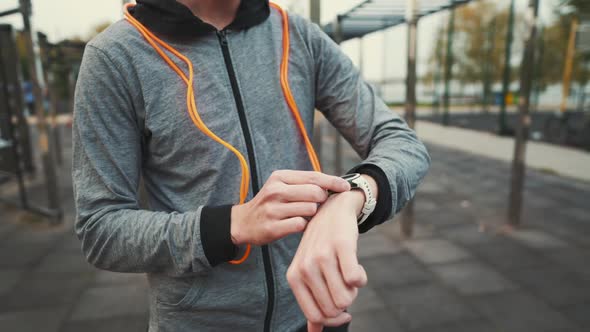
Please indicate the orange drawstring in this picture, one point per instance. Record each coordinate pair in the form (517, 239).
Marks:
(192, 107)
(287, 90)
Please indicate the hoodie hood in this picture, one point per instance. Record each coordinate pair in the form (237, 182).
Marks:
(173, 19)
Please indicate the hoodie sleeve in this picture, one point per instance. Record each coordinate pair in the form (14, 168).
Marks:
(390, 150)
(115, 233)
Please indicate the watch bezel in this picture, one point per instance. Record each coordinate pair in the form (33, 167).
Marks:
(350, 179)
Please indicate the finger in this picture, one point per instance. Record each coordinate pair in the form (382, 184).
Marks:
(313, 327)
(349, 265)
(307, 303)
(341, 319)
(304, 193)
(364, 278)
(317, 285)
(327, 182)
(288, 226)
(298, 209)
(342, 294)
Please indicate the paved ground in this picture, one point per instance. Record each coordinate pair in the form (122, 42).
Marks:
(459, 273)
(565, 161)
(488, 122)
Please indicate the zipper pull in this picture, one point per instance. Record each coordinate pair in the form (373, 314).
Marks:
(222, 35)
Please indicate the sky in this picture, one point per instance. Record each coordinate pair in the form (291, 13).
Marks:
(383, 52)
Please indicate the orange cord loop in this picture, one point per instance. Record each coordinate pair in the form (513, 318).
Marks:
(191, 104)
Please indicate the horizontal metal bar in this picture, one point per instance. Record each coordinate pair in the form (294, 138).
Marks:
(372, 17)
(384, 14)
(10, 12)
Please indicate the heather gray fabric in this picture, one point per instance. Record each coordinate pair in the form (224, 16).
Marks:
(131, 121)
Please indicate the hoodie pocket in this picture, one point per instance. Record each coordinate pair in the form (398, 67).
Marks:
(180, 295)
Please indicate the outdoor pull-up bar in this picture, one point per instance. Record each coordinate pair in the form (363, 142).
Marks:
(46, 142)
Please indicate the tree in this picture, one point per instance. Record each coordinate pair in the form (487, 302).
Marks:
(580, 7)
(478, 45)
(555, 40)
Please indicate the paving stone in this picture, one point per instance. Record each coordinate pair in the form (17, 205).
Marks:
(70, 244)
(579, 313)
(7, 228)
(395, 270)
(469, 234)
(422, 204)
(105, 278)
(445, 217)
(22, 257)
(374, 243)
(111, 301)
(9, 279)
(569, 232)
(472, 278)
(46, 320)
(578, 213)
(518, 312)
(463, 326)
(64, 263)
(33, 237)
(426, 305)
(376, 321)
(392, 229)
(431, 187)
(573, 259)
(553, 284)
(44, 290)
(536, 200)
(508, 255)
(138, 323)
(538, 239)
(436, 251)
(367, 300)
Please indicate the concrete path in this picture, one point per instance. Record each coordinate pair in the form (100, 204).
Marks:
(565, 161)
(461, 272)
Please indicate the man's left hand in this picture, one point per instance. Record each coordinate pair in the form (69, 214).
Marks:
(325, 274)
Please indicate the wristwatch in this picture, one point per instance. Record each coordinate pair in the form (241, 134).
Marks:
(357, 182)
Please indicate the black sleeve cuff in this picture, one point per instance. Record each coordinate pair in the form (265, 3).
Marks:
(216, 234)
(383, 207)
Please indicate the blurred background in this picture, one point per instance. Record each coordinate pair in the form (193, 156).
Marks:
(496, 239)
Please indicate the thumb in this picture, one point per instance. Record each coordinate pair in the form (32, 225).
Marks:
(312, 327)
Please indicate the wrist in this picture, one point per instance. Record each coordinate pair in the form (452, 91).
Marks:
(235, 229)
(354, 199)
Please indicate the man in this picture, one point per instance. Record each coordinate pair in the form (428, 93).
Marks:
(131, 122)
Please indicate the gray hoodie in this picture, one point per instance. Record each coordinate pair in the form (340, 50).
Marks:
(131, 122)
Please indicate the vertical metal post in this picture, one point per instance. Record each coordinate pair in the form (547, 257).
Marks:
(407, 220)
(569, 64)
(361, 57)
(338, 169)
(51, 92)
(490, 45)
(10, 113)
(437, 74)
(45, 142)
(412, 40)
(314, 11)
(502, 122)
(314, 15)
(524, 118)
(384, 56)
(449, 66)
(538, 71)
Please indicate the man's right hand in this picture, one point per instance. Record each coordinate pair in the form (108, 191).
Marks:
(280, 208)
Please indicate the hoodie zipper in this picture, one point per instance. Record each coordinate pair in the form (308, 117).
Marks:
(222, 36)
